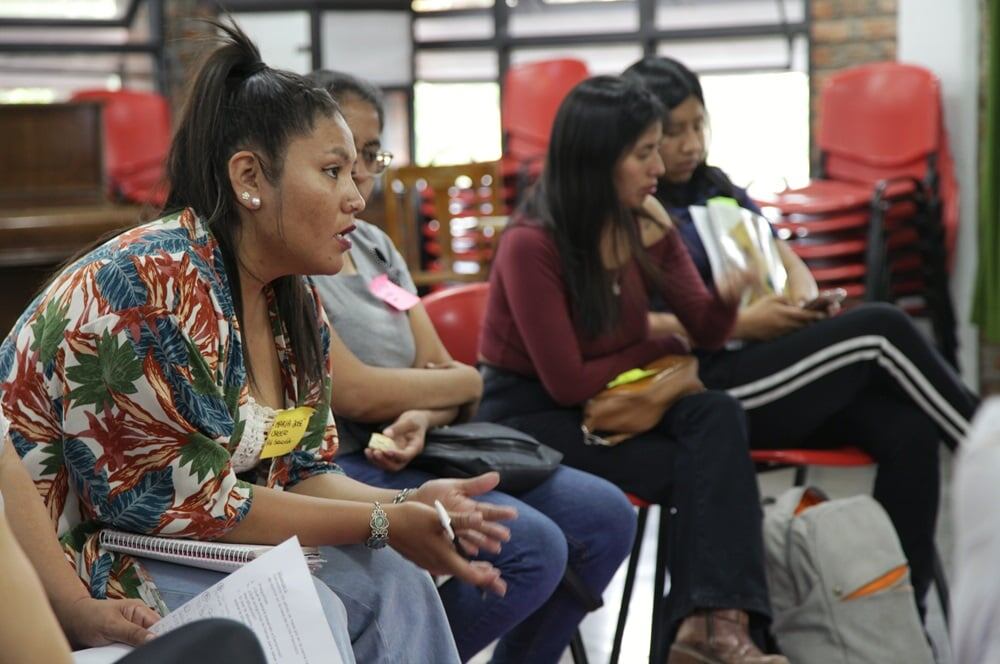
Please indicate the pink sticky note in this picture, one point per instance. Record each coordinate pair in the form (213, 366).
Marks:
(396, 297)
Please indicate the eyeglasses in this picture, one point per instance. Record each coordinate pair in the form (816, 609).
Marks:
(376, 161)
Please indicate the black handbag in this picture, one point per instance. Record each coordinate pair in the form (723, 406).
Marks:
(473, 448)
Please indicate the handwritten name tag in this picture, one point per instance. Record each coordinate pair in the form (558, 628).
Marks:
(396, 297)
(286, 432)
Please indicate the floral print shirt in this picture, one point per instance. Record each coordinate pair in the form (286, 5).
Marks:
(126, 390)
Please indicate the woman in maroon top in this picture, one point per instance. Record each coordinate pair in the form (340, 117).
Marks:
(567, 313)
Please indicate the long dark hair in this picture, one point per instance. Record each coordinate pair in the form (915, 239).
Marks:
(673, 83)
(236, 102)
(342, 86)
(597, 123)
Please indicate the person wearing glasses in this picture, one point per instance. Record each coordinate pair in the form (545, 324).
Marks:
(395, 377)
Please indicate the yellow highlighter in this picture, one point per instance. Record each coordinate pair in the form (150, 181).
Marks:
(631, 376)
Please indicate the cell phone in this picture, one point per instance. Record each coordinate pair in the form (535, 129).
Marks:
(825, 298)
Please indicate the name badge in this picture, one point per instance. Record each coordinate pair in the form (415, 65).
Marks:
(286, 432)
(396, 297)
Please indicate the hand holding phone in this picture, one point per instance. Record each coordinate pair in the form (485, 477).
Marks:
(826, 300)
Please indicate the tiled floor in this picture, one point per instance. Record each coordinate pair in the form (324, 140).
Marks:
(598, 628)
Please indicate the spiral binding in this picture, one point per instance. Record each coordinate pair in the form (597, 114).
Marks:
(181, 548)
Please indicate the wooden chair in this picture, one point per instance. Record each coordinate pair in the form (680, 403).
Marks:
(421, 204)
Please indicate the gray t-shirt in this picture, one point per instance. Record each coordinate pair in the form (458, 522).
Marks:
(376, 333)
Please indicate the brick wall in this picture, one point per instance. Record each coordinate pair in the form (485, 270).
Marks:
(847, 33)
(185, 42)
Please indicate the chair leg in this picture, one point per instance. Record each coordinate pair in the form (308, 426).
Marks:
(577, 650)
(657, 632)
(941, 584)
(801, 473)
(633, 563)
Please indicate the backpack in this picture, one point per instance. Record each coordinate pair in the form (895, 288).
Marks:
(839, 583)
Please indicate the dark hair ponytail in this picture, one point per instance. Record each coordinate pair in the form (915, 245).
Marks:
(672, 83)
(236, 102)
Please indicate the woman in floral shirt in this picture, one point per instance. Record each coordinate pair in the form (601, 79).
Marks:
(143, 382)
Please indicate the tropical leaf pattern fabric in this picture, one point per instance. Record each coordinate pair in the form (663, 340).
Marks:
(126, 391)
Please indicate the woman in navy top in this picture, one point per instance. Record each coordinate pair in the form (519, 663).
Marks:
(811, 379)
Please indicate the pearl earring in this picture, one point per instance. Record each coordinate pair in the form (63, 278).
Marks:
(255, 202)
(245, 195)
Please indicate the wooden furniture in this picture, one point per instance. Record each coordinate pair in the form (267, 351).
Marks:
(52, 196)
(433, 213)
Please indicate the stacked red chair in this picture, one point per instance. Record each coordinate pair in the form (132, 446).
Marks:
(531, 96)
(136, 143)
(880, 220)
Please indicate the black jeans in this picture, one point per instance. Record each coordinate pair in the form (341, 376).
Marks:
(695, 463)
(866, 378)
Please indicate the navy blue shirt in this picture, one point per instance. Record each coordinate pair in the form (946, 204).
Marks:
(689, 234)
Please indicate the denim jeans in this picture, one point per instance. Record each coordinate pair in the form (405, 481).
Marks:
(572, 518)
(380, 606)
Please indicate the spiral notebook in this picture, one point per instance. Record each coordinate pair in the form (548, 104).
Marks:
(218, 556)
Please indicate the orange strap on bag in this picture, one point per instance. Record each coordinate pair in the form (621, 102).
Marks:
(618, 413)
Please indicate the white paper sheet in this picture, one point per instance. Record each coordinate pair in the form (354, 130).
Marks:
(275, 596)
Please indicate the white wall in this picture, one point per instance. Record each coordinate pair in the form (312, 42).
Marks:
(944, 37)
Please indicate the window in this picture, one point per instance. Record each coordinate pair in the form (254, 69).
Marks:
(444, 5)
(60, 9)
(759, 128)
(752, 56)
(456, 123)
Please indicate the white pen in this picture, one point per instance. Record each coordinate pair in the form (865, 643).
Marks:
(445, 519)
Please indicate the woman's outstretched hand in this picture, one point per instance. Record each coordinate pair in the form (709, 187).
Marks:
(416, 532)
(484, 532)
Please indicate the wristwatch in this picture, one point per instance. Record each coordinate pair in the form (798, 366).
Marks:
(379, 523)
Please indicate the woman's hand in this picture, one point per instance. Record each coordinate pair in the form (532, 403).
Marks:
(734, 284)
(457, 498)
(408, 432)
(415, 531)
(771, 317)
(468, 409)
(653, 209)
(90, 622)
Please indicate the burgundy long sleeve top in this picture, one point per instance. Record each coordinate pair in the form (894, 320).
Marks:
(529, 327)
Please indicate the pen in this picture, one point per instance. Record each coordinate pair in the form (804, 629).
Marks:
(389, 269)
(446, 524)
(450, 532)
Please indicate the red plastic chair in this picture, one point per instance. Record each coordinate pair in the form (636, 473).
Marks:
(136, 142)
(457, 314)
(883, 147)
(531, 96)
(843, 457)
